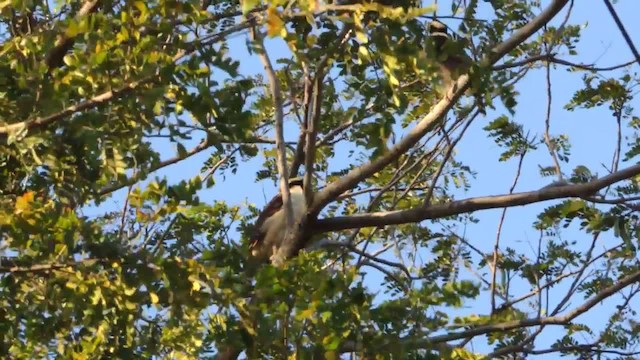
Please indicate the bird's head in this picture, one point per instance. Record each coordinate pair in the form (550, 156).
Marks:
(438, 32)
(296, 181)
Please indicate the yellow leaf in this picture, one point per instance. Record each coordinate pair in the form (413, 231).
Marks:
(154, 297)
(24, 202)
(73, 29)
(130, 305)
(97, 296)
(275, 25)
(396, 100)
(195, 286)
(4, 4)
(362, 37)
(130, 291)
(140, 6)
(197, 342)
(308, 313)
(248, 5)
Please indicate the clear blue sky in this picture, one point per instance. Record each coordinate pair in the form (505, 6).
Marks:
(592, 134)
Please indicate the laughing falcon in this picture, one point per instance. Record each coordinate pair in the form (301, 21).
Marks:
(452, 59)
(271, 226)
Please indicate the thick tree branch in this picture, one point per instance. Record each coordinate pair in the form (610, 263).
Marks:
(349, 181)
(524, 32)
(431, 120)
(297, 237)
(472, 204)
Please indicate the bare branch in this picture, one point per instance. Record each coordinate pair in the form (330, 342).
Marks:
(472, 204)
(387, 273)
(447, 156)
(220, 162)
(353, 248)
(298, 158)
(591, 67)
(626, 36)
(312, 113)
(551, 144)
(496, 247)
(312, 128)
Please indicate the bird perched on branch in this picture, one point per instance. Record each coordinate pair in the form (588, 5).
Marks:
(271, 226)
(452, 59)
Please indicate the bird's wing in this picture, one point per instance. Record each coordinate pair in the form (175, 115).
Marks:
(272, 207)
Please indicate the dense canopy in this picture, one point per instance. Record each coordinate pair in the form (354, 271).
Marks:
(471, 179)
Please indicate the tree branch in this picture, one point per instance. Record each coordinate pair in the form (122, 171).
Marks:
(626, 36)
(41, 122)
(434, 341)
(281, 158)
(204, 145)
(298, 158)
(312, 128)
(551, 58)
(472, 204)
(64, 43)
(437, 113)
(14, 266)
(95, 101)
(142, 174)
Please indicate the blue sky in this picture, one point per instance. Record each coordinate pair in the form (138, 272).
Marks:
(592, 135)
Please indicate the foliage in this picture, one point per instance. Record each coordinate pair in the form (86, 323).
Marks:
(99, 98)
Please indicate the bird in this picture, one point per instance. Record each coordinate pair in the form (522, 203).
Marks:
(452, 60)
(271, 226)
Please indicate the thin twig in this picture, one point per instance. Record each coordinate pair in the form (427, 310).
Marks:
(496, 246)
(450, 147)
(551, 145)
(220, 162)
(626, 36)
